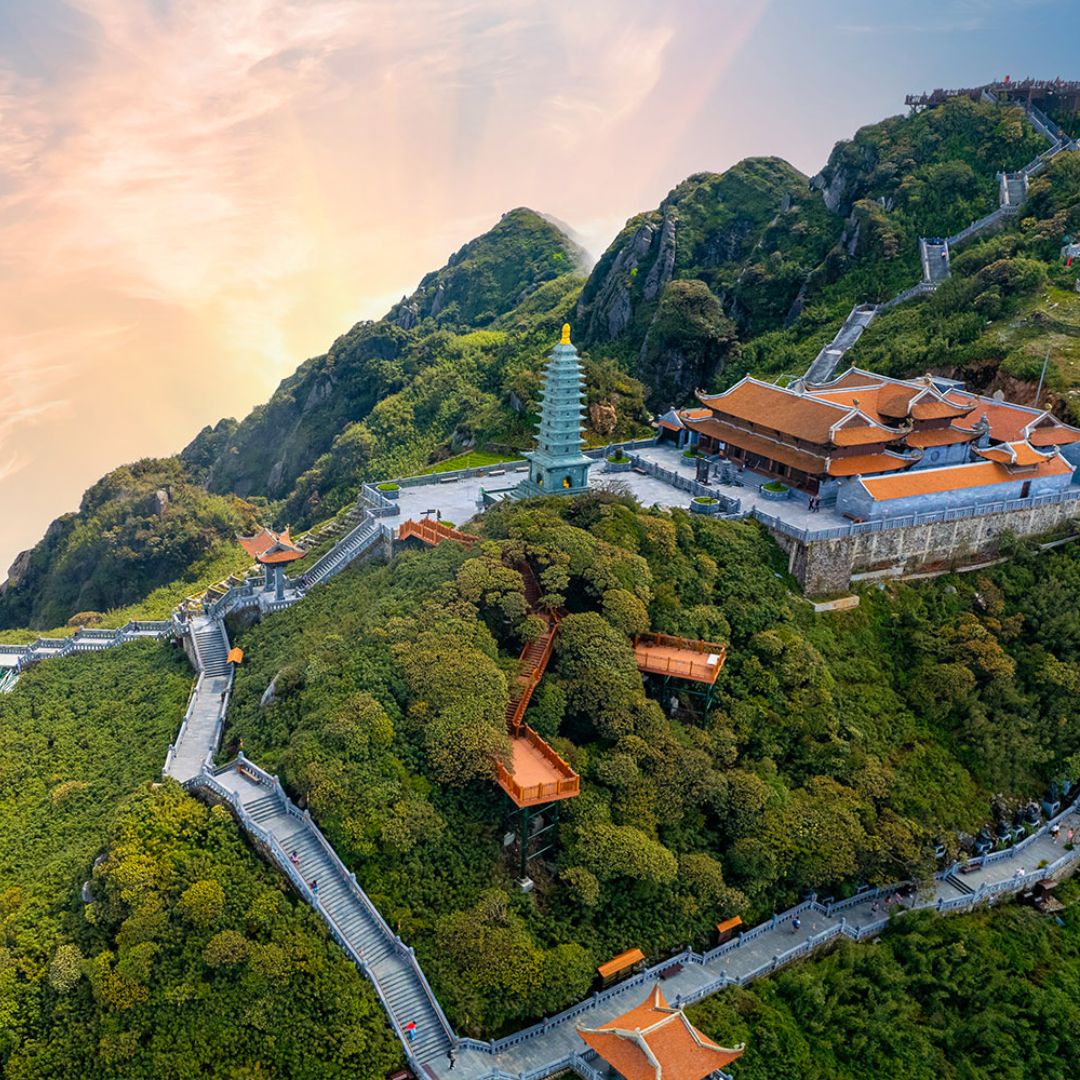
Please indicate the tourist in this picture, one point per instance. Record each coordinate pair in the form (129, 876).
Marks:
(452, 1056)
(1069, 837)
(796, 924)
(314, 886)
(1055, 830)
(294, 858)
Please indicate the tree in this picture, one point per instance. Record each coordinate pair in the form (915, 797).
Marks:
(614, 851)
(65, 969)
(202, 903)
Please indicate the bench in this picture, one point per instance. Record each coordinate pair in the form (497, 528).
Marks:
(855, 517)
(670, 970)
(449, 479)
(249, 773)
(970, 868)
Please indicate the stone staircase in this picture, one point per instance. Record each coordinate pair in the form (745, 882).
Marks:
(301, 851)
(211, 648)
(935, 260)
(1013, 189)
(959, 884)
(349, 547)
(826, 360)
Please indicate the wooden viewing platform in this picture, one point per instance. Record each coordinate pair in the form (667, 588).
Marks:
(433, 532)
(537, 774)
(679, 657)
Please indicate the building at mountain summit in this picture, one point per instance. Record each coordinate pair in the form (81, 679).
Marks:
(557, 466)
(880, 447)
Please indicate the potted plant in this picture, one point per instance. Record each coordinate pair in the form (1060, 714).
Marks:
(704, 504)
(389, 490)
(618, 462)
(690, 452)
(774, 489)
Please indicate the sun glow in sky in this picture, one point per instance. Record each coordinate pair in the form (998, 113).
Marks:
(196, 195)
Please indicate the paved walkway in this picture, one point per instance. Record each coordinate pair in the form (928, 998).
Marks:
(761, 951)
(20, 656)
(200, 732)
(793, 510)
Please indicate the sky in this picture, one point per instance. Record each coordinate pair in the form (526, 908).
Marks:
(196, 195)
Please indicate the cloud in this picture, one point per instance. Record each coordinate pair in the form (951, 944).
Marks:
(195, 196)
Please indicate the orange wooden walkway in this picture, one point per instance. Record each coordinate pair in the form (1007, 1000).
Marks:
(681, 658)
(433, 532)
(537, 774)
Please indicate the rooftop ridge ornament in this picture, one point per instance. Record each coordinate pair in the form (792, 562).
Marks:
(558, 466)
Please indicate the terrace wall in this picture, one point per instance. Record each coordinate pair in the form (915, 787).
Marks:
(826, 565)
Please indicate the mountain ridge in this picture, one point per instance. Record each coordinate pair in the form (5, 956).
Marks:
(752, 269)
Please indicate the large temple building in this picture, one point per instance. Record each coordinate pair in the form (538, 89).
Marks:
(880, 447)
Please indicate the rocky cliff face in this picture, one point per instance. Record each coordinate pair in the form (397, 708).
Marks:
(747, 238)
(278, 442)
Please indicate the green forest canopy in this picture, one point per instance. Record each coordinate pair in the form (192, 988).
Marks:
(838, 749)
(190, 948)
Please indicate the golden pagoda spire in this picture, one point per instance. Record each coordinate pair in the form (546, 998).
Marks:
(565, 334)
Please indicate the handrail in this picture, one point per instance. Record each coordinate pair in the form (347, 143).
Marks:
(958, 513)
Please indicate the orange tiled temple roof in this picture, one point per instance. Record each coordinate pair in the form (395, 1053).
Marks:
(1015, 453)
(263, 539)
(656, 1042)
(800, 416)
(956, 477)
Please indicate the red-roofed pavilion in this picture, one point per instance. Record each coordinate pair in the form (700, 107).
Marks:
(653, 1041)
(272, 550)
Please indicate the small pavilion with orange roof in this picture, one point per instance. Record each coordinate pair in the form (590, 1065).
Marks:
(654, 1041)
(272, 551)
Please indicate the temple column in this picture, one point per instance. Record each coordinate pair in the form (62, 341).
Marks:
(279, 582)
(269, 578)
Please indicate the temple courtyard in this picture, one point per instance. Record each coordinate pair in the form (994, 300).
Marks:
(457, 499)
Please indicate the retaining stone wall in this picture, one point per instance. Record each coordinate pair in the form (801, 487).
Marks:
(826, 566)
